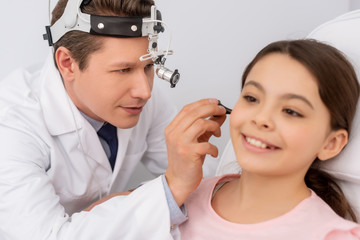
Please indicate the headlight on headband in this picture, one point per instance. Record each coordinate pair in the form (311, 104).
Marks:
(122, 27)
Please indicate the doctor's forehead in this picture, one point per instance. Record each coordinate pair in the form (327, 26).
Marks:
(126, 50)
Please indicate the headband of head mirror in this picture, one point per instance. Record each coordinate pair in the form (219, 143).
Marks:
(74, 19)
(124, 27)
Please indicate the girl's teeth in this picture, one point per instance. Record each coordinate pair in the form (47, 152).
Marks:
(255, 142)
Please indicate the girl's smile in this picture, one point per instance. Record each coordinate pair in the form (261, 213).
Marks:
(258, 145)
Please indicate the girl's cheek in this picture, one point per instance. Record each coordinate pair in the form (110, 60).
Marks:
(236, 117)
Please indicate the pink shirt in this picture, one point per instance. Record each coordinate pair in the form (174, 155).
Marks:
(310, 219)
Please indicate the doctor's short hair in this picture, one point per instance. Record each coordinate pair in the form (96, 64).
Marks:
(82, 44)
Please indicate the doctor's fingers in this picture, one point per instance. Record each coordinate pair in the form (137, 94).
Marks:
(189, 157)
(203, 127)
(178, 136)
(207, 135)
(201, 109)
(206, 148)
(192, 145)
(220, 119)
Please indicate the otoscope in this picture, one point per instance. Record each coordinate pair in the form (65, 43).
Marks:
(228, 110)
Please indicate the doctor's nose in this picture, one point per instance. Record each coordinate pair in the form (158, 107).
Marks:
(141, 87)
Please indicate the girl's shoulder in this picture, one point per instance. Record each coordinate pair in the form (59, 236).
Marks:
(333, 227)
(213, 181)
(208, 186)
(346, 231)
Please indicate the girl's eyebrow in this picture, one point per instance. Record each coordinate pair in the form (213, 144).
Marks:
(296, 96)
(287, 96)
(255, 84)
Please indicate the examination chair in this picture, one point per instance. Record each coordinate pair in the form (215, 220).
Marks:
(343, 33)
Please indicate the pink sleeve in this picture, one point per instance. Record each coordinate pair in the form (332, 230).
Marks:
(351, 234)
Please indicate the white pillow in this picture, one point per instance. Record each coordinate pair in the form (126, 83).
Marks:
(343, 33)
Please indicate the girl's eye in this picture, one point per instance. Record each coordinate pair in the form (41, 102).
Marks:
(250, 98)
(124, 70)
(292, 113)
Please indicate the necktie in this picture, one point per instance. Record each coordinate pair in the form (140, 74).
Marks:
(109, 134)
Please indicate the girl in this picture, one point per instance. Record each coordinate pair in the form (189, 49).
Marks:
(296, 107)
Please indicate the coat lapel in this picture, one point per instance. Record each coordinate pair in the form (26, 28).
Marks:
(63, 118)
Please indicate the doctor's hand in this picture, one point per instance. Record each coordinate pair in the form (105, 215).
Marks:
(187, 139)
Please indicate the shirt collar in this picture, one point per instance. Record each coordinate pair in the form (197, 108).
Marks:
(94, 123)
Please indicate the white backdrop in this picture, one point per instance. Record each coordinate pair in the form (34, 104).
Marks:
(212, 41)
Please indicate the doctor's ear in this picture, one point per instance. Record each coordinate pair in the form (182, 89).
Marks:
(66, 64)
(333, 145)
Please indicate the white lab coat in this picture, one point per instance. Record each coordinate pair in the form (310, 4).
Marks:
(52, 166)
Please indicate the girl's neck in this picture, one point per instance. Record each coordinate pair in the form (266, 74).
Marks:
(253, 199)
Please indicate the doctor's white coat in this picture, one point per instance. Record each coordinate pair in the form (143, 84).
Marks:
(52, 166)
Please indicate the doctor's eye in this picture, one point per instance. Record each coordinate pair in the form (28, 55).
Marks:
(250, 99)
(292, 113)
(124, 70)
(149, 66)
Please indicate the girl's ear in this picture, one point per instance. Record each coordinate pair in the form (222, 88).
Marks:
(66, 64)
(333, 145)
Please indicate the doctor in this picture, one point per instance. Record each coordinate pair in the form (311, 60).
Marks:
(54, 159)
